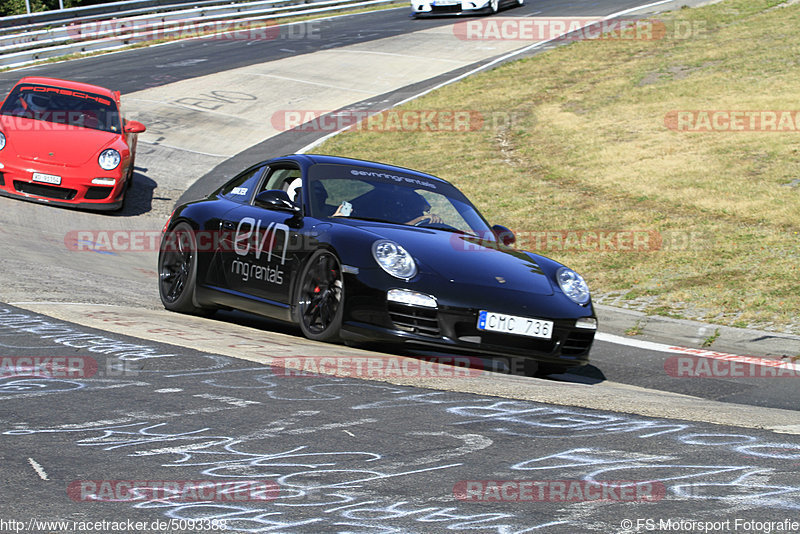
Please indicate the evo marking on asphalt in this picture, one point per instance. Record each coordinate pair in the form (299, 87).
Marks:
(242, 110)
(38, 468)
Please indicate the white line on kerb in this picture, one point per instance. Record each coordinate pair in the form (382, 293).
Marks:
(38, 468)
(483, 67)
(638, 343)
(701, 353)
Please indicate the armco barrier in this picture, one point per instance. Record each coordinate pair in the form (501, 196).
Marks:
(111, 9)
(28, 38)
(74, 19)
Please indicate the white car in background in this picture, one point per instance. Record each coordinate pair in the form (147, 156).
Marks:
(460, 7)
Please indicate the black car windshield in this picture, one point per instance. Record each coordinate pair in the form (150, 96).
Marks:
(62, 106)
(373, 194)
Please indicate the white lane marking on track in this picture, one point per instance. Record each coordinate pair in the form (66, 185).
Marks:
(184, 63)
(481, 68)
(223, 156)
(38, 468)
(375, 53)
(193, 108)
(46, 302)
(125, 48)
(307, 82)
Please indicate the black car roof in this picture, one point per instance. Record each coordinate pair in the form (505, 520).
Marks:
(339, 160)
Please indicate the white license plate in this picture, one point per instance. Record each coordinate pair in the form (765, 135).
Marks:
(513, 324)
(46, 178)
(446, 2)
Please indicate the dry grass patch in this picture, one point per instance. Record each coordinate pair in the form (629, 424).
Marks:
(588, 148)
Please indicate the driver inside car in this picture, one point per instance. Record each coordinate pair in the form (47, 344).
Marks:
(404, 205)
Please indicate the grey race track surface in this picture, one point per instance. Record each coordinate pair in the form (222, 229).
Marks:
(346, 455)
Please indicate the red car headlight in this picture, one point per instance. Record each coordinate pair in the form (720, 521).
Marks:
(109, 159)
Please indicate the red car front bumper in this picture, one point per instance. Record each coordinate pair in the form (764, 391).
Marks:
(75, 189)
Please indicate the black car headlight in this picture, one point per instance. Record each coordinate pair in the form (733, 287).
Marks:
(2, 140)
(573, 285)
(394, 259)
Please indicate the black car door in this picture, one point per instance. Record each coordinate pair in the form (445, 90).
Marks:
(263, 252)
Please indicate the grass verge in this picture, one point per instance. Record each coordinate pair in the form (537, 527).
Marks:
(591, 146)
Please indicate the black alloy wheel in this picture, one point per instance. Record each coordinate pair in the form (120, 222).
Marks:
(177, 269)
(320, 301)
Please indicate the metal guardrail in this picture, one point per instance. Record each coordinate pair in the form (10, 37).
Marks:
(84, 28)
(117, 29)
(115, 10)
(107, 10)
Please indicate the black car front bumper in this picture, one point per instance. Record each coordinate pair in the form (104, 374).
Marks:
(370, 317)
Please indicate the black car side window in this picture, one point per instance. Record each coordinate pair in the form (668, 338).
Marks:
(242, 188)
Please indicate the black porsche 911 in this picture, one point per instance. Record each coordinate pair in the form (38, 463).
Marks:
(360, 251)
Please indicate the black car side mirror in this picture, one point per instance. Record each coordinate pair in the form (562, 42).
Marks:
(504, 235)
(276, 199)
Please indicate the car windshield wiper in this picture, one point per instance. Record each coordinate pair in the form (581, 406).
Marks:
(445, 228)
(457, 231)
(370, 219)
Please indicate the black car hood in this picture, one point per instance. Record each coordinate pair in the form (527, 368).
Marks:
(466, 259)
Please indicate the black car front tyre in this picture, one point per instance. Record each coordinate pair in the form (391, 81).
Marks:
(320, 297)
(177, 269)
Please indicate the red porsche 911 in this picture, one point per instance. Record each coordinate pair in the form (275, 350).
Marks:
(66, 143)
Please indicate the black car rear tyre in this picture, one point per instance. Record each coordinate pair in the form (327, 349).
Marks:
(320, 297)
